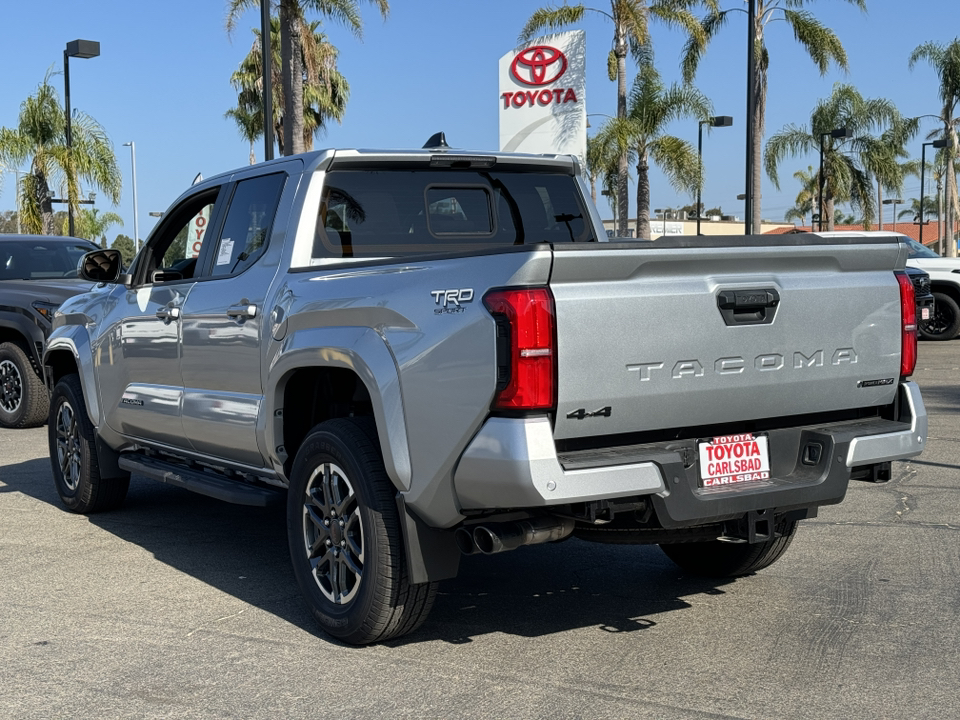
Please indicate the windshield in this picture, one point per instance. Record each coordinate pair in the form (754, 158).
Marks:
(41, 258)
(920, 251)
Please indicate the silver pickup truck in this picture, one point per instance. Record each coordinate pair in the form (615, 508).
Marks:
(431, 353)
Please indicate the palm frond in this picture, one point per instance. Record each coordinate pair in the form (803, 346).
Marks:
(820, 42)
(693, 49)
(677, 159)
(551, 18)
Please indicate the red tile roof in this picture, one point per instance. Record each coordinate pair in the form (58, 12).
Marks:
(910, 229)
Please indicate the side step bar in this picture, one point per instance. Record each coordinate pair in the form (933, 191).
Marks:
(203, 483)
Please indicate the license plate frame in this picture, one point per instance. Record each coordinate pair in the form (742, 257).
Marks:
(733, 460)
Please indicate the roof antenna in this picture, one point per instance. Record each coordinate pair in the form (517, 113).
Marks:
(437, 141)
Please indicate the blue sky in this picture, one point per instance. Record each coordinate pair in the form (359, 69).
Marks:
(162, 80)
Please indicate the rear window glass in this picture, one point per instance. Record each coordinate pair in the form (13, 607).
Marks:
(383, 213)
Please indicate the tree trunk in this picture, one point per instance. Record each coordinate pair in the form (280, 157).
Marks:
(253, 155)
(292, 78)
(939, 215)
(879, 207)
(829, 207)
(623, 198)
(759, 125)
(952, 209)
(643, 197)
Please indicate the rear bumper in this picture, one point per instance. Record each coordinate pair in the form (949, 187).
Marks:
(513, 463)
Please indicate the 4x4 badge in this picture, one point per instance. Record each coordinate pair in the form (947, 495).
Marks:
(581, 413)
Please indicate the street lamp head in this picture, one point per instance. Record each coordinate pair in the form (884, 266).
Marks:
(83, 48)
(841, 133)
(721, 121)
(893, 201)
(940, 144)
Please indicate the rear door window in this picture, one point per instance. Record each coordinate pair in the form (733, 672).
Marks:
(383, 213)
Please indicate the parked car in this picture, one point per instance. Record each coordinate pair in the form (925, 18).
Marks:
(944, 323)
(37, 273)
(428, 353)
(926, 302)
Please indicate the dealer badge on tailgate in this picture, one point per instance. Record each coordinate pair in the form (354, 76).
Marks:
(731, 459)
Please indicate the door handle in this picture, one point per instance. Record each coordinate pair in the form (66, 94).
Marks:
(168, 313)
(242, 312)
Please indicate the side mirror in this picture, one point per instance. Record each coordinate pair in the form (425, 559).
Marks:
(101, 266)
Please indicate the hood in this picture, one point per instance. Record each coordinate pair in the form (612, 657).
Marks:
(52, 291)
(939, 264)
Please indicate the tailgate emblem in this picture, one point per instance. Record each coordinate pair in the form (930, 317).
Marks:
(581, 413)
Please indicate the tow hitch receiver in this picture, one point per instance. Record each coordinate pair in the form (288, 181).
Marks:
(754, 527)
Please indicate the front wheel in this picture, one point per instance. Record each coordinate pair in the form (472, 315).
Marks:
(715, 558)
(344, 532)
(945, 323)
(73, 454)
(23, 398)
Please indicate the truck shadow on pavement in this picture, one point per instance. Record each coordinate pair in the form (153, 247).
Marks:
(529, 592)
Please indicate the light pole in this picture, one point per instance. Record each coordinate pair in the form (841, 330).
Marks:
(136, 226)
(836, 133)
(942, 143)
(77, 49)
(894, 202)
(716, 121)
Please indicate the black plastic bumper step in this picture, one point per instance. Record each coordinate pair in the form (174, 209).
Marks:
(203, 483)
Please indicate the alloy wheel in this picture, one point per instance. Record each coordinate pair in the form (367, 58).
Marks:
(11, 387)
(68, 446)
(333, 534)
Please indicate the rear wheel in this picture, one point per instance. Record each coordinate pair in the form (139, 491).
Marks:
(945, 323)
(23, 397)
(73, 454)
(715, 558)
(345, 539)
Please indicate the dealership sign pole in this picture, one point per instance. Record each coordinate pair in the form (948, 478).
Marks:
(543, 107)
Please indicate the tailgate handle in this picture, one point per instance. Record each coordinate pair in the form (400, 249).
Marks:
(748, 307)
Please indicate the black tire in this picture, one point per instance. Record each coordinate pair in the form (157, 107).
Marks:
(719, 559)
(340, 495)
(945, 323)
(73, 454)
(23, 396)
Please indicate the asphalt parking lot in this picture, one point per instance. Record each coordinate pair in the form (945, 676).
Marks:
(180, 606)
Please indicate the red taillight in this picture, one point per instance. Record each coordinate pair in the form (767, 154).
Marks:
(908, 319)
(526, 348)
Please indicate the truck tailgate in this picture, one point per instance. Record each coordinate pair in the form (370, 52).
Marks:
(808, 325)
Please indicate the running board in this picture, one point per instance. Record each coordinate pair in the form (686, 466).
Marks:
(203, 483)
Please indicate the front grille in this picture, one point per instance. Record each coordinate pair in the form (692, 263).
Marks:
(921, 284)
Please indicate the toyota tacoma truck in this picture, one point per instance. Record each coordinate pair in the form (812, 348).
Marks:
(432, 353)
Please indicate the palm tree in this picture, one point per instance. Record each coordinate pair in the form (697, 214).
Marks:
(325, 89)
(293, 68)
(641, 136)
(630, 31)
(849, 165)
(820, 43)
(90, 224)
(913, 209)
(600, 165)
(945, 59)
(806, 198)
(40, 137)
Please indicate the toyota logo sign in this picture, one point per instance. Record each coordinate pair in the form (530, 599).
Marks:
(539, 65)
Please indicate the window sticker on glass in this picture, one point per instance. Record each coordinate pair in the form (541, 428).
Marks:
(226, 251)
